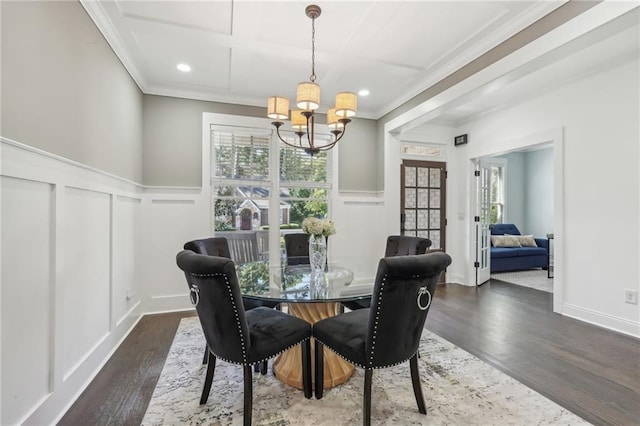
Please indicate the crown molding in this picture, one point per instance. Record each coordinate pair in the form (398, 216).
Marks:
(99, 16)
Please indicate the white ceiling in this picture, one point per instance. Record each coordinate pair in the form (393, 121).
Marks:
(244, 51)
(605, 47)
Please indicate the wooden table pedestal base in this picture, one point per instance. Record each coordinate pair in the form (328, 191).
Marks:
(287, 367)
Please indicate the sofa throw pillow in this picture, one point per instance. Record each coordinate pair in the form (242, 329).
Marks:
(505, 241)
(527, 241)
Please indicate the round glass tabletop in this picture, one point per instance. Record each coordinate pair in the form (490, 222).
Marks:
(297, 283)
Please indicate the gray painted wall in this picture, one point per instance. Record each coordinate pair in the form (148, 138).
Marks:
(516, 189)
(359, 166)
(173, 143)
(172, 132)
(539, 192)
(65, 91)
(529, 186)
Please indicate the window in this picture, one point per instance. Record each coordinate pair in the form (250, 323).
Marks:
(304, 182)
(243, 173)
(240, 178)
(494, 172)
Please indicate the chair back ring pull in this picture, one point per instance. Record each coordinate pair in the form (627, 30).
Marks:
(194, 295)
(422, 291)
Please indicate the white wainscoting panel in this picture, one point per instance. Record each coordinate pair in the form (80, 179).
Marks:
(171, 218)
(359, 241)
(69, 235)
(86, 274)
(26, 296)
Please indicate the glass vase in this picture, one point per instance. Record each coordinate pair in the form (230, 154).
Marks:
(317, 252)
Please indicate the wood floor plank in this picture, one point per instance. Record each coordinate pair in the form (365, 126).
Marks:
(591, 371)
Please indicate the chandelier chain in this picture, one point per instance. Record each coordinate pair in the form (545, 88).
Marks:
(313, 50)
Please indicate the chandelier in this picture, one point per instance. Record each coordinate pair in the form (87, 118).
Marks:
(303, 119)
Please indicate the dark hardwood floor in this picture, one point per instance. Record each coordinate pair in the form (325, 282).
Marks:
(593, 372)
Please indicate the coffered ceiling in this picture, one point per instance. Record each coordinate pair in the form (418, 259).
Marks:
(244, 51)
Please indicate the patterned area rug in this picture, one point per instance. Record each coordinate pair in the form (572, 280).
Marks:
(534, 278)
(459, 389)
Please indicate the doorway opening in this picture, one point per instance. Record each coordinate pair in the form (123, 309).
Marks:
(516, 188)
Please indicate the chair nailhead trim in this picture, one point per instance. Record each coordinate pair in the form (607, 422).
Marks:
(375, 324)
(263, 359)
(379, 367)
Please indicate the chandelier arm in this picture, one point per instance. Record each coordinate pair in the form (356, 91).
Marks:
(338, 134)
(277, 125)
(327, 147)
(310, 116)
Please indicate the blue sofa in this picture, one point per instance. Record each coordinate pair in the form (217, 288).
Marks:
(517, 258)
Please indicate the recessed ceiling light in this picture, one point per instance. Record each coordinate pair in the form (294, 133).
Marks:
(184, 67)
(363, 92)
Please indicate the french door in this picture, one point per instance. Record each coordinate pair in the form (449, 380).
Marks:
(482, 220)
(423, 201)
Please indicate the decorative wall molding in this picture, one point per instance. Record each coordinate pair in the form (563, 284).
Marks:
(174, 201)
(82, 217)
(361, 197)
(172, 189)
(6, 142)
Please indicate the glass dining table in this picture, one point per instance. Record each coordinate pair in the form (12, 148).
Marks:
(309, 295)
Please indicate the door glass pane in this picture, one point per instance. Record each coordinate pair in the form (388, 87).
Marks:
(434, 198)
(423, 219)
(410, 176)
(423, 198)
(434, 236)
(410, 198)
(410, 219)
(423, 177)
(434, 219)
(423, 234)
(434, 178)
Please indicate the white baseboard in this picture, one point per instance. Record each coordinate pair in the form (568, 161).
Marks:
(631, 328)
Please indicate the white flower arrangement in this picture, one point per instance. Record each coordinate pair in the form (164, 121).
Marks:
(317, 227)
